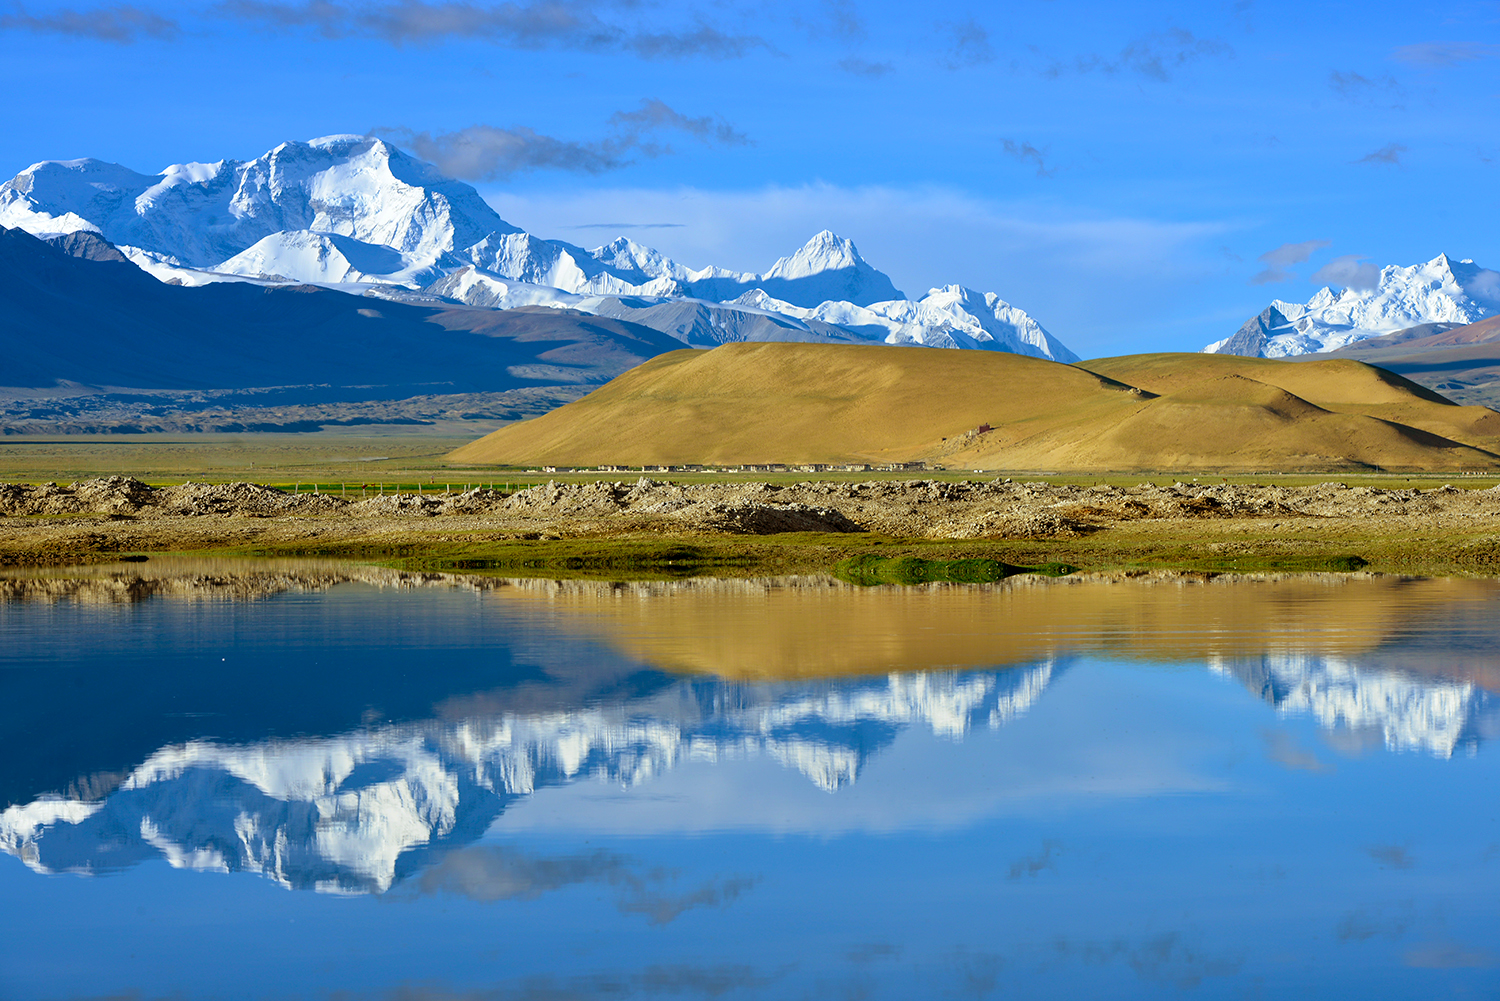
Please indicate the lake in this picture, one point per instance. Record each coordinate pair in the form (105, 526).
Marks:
(292, 779)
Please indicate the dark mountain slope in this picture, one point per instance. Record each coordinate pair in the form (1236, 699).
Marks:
(104, 322)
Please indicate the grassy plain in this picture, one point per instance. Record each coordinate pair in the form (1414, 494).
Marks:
(402, 461)
(1202, 547)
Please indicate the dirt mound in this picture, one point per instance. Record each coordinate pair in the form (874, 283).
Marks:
(397, 504)
(242, 499)
(1027, 525)
(733, 508)
(112, 495)
(751, 518)
(124, 495)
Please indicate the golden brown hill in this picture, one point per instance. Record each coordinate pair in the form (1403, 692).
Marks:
(1334, 381)
(1341, 385)
(1462, 363)
(799, 403)
(758, 403)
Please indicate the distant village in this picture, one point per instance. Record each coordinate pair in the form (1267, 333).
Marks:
(769, 467)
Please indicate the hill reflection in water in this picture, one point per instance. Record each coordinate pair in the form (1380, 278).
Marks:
(366, 732)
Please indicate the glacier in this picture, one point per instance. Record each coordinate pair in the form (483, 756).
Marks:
(358, 214)
(1441, 290)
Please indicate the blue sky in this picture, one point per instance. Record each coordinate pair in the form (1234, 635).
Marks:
(1138, 177)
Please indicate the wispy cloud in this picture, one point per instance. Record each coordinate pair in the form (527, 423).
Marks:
(1283, 257)
(662, 908)
(538, 25)
(1437, 54)
(1027, 153)
(1371, 920)
(967, 44)
(492, 874)
(1348, 271)
(1390, 153)
(1282, 748)
(121, 23)
(831, 19)
(1448, 956)
(653, 115)
(1391, 856)
(654, 981)
(1031, 865)
(487, 152)
(489, 874)
(1155, 56)
(1356, 88)
(1166, 958)
(702, 40)
(864, 67)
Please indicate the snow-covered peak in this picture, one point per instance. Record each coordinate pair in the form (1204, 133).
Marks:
(65, 196)
(191, 173)
(759, 299)
(949, 317)
(1441, 290)
(624, 254)
(826, 251)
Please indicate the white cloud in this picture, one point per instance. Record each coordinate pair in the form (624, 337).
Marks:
(1348, 271)
(1283, 257)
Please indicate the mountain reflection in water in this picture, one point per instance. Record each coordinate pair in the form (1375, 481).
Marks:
(342, 729)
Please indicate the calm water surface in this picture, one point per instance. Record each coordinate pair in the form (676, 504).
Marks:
(284, 780)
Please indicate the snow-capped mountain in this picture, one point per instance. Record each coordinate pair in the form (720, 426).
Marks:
(354, 812)
(1440, 291)
(202, 215)
(949, 317)
(1410, 712)
(345, 210)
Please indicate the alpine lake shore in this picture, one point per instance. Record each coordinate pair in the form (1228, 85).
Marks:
(396, 501)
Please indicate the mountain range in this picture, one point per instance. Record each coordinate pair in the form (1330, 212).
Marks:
(1442, 292)
(344, 220)
(358, 213)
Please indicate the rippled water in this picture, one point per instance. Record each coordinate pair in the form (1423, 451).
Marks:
(288, 780)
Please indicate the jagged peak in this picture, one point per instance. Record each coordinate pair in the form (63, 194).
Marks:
(826, 251)
(961, 292)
